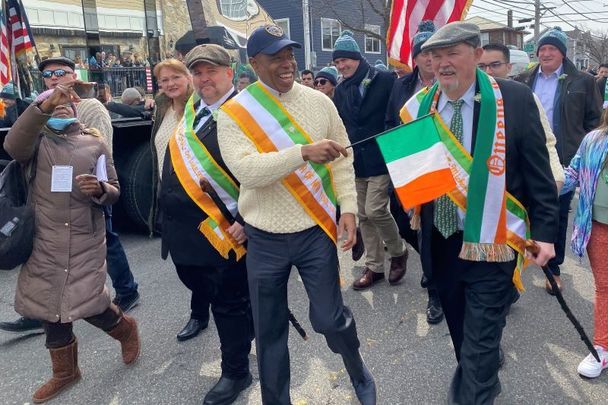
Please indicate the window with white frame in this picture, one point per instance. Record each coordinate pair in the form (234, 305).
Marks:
(330, 31)
(485, 38)
(372, 44)
(284, 24)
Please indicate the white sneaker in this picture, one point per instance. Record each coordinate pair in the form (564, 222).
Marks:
(590, 367)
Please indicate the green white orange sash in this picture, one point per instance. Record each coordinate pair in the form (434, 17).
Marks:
(271, 128)
(494, 219)
(605, 105)
(192, 161)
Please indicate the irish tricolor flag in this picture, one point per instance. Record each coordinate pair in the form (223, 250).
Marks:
(417, 162)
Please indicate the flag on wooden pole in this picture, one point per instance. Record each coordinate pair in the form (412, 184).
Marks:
(407, 14)
(417, 162)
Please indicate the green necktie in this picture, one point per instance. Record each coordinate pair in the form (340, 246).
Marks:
(446, 212)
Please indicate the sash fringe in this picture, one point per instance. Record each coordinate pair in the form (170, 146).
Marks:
(486, 252)
(415, 221)
(220, 245)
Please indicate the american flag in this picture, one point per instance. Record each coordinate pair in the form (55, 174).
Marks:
(5, 56)
(19, 29)
(407, 14)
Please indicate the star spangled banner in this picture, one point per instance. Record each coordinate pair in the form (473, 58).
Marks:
(407, 14)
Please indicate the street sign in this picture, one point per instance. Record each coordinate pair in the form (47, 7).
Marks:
(529, 47)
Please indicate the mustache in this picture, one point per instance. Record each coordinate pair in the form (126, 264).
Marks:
(447, 70)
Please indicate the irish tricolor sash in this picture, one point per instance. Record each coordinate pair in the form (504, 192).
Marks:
(271, 128)
(192, 161)
(494, 219)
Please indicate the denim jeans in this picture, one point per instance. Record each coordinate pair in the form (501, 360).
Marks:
(118, 266)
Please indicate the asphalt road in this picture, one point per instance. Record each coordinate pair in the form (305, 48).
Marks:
(412, 361)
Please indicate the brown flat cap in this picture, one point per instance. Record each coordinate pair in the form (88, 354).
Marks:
(208, 53)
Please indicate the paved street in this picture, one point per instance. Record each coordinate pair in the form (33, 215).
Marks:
(412, 362)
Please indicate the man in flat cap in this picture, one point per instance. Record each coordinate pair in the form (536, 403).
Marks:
(473, 238)
(61, 71)
(283, 141)
(204, 234)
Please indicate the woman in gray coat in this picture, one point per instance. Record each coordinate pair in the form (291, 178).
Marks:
(64, 278)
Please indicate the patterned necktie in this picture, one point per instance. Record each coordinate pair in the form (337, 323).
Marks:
(446, 212)
(201, 114)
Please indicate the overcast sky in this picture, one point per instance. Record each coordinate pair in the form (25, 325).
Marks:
(584, 14)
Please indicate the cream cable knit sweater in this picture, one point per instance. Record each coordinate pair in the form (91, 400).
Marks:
(264, 202)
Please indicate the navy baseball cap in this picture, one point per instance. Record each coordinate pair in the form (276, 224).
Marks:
(268, 40)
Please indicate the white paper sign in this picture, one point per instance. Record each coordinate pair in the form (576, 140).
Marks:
(101, 171)
(61, 180)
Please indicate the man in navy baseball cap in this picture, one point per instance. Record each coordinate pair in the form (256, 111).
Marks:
(268, 40)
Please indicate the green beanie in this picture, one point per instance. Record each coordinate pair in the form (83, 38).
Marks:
(346, 47)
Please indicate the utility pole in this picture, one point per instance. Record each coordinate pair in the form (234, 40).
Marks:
(537, 7)
(306, 21)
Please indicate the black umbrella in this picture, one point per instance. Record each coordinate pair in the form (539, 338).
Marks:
(533, 249)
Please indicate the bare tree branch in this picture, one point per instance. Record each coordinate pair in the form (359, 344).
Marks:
(332, 10)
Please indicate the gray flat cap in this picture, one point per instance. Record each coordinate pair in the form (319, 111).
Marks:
(453, 34)
(209, 53)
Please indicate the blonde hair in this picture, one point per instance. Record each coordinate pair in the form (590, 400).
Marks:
(172, 64)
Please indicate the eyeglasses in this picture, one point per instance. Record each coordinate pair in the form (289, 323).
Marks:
(322, 82)
(47, 74)
(493, 65)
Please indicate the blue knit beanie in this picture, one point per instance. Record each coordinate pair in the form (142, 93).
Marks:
(346, 47)
(555, 37)
(379, 65)
(9, 91)
(426, 29)
(330, 73)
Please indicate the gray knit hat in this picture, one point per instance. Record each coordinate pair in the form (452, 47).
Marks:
(379, 65)
(346, 47)
(555, 37)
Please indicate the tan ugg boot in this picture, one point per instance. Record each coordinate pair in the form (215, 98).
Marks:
(126, 333)
(65, 373)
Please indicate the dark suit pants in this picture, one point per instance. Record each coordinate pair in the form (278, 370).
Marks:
(118, 266)
(199, 302)
(269, 261)
(60, 334)
(475, 297)
(225, 287)
(562, 233)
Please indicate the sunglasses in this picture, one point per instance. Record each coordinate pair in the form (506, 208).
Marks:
(47, 74)
(322, 82)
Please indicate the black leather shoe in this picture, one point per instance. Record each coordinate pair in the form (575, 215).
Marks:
(434, 312)
(366, 388)
(192, 329)
(127, 303)
(22, 325)
(227, 390)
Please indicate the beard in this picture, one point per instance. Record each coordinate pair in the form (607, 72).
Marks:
(448, 87)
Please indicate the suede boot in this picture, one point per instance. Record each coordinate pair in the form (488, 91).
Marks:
(126, 333)
(65, 372)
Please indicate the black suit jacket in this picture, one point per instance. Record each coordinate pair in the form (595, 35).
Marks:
(180, 216)
(403, 89)
(528, 175)
(578, 108)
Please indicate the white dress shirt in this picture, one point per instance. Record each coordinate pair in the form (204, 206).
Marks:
(545, 88)
(446, 111)
(211, 108)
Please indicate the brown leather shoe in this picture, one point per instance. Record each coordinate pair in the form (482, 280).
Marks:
(367, 279)
(65, 373)
(548, 287)
(126, 333)
(398, 268)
